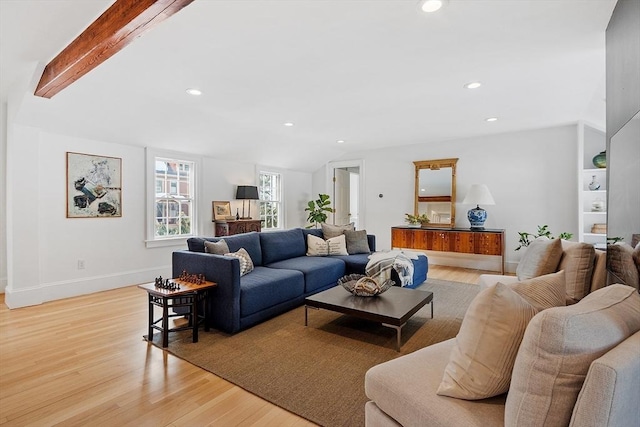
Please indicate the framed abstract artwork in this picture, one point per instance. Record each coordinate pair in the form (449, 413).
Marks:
(94, 186)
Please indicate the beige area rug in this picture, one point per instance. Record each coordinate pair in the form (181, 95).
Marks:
(318, 371)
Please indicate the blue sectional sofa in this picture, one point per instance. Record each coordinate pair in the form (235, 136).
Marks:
(282, 276)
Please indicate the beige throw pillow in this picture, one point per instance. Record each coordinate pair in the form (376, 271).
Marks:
(329, 230)
(541, 257)
(219, 248)
(543, 292)
(317, 246)
(557, 349)
(482, 359)
(577, 262)
(620, 262)
(246, 264)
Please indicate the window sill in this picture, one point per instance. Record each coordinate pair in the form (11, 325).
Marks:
(172, 241)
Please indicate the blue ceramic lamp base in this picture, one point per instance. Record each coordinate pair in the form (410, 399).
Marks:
(477, 216)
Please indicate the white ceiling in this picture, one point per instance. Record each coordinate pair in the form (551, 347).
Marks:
(374, 73)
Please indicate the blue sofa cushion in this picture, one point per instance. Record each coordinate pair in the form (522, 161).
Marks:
(280, 245)
(319, 272)
(249, 241)
(196, 244)
(314, 231)
(265, 287)
(354, 264)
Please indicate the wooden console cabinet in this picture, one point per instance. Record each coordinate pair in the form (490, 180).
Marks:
(228, 228)
(461, 240)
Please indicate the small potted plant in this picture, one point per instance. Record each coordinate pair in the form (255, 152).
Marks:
(422, 219)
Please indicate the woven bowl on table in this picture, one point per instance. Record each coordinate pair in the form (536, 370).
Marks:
(363, 286)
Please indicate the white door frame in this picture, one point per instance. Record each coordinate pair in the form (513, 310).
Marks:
(361, 190)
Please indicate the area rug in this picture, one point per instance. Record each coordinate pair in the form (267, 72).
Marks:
(318, 371)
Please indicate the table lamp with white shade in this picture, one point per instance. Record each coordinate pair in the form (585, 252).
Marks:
(478, 194)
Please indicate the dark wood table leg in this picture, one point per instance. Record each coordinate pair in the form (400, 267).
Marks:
(206, 310)
(165, 322)
(194, 315)
(150, 336)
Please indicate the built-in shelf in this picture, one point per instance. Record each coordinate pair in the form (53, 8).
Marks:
(591, 141)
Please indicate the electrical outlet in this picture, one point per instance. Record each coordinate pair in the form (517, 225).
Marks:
(80, 264)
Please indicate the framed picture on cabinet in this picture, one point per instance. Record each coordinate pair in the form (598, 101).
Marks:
(94, 186)
(221, 210)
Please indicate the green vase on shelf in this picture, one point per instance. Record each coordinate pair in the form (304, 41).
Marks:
(600, 160)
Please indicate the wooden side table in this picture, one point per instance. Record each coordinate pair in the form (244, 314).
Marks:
(189, 295)
(231, 227)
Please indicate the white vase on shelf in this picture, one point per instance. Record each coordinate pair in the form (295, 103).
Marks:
(594, 184)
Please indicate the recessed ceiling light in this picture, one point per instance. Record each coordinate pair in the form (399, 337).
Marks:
(473, 85)
(340, 141)
(491, 119)
(288, 124)
(194, 92)
(431, 5)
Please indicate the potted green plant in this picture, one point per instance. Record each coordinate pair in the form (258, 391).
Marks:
(318, 210)
(422, 219)
(543, 231)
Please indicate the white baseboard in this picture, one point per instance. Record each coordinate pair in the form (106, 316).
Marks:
(3, 284)
(15, 298)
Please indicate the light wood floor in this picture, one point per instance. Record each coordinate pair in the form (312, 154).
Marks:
(82, 361)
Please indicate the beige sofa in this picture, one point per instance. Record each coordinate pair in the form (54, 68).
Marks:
(587, 354)
(582, 278)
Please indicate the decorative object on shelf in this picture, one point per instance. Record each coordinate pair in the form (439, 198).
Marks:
(478, 193)
(600, 159)
(594, 184)
(237, 214)
(598, 205)
(422, 220)
(94, 186)
(599, 228)
(363, 286)
(543, 231)
(246, 192)
(221, 210)
(318, 210)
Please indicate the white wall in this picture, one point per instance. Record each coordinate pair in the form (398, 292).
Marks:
(531, 175)
(3, 185)
(45, 246)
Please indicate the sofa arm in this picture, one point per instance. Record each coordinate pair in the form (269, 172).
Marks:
(486, 280)
(611, 391)
(224, 302)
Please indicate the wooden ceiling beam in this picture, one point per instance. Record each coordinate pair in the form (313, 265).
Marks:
(118, 26)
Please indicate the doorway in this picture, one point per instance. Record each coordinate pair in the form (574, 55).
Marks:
(346, 188)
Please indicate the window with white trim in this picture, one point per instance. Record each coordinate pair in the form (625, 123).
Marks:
(270, 193)
(174, 197)
(171, 197)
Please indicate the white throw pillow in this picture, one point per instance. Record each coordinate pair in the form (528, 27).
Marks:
(317, 246)
(482, 359)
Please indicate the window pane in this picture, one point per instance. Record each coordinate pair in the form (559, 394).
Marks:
(174, 187)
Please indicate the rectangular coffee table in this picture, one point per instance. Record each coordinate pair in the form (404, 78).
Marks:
(392, 308)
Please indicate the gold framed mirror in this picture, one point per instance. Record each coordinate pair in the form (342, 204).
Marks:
(435, 191)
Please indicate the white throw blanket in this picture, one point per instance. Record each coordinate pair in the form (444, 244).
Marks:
(381, 264)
